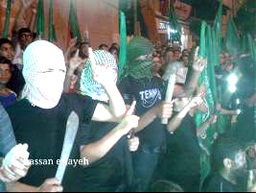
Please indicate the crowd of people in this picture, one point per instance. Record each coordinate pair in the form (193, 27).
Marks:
(120, 131)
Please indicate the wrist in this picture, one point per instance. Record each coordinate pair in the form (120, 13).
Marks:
(71, 72)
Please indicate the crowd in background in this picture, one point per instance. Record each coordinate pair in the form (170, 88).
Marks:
(40, 86)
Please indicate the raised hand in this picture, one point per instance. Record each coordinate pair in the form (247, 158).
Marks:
(76, 61)
(133, 144)
(165, 110)
(51, 185)
(130, 121)
(15, 164)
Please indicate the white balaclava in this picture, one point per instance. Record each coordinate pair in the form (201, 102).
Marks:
(44, 72)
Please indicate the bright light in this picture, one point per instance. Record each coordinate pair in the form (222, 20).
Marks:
(173, 31)
(238, 101)
(238, 111)
(232, 79)
(232, 88)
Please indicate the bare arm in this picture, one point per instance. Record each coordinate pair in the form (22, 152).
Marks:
(50, 185)
(175, 122)
(19, 187)
(115, 111)
(95, 151)
(163, 110)
(252, 101)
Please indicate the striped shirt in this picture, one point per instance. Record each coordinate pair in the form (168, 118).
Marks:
(7, 139)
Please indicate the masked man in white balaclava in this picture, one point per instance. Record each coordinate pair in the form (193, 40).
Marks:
(40, 118)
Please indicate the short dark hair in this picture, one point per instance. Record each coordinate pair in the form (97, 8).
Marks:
(5, 41)
(24, 30)
(113, 48)
(4, 60)
(101, 46)
(224, 147)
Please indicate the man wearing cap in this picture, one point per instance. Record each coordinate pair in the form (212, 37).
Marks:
(40, 118)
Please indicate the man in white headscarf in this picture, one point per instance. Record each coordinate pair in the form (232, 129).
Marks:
(40, 118)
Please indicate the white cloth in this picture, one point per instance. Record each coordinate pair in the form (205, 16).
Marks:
(44, 71)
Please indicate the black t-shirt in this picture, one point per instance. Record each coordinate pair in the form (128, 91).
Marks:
(216, 183)
(183, 156)
(148, 94)
(112, 173)
(44, 131)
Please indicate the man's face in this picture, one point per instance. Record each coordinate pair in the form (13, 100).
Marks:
(5, 73)
(177, 55)
(7, 51)
(239, 163)
(84, 51)
(170, 56)
(157, 64)
(185, 61)
(25, 39)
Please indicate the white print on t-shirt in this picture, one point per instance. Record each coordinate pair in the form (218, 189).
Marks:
(150, 97)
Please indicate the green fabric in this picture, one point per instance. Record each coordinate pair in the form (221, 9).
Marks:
(174, 25)
(217, 34)
(7, 20)
(51, 30)
(232, 38)
(252, 47)
(137, 68)
(40, 19)
(202, 40)
(73, 23)
(123, 45)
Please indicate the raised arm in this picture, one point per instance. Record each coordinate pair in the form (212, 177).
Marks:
(163, 110)
(116, 109)
(95, 151)
(190, 88)
(175, 122)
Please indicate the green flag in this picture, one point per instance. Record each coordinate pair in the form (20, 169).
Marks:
(51, 30)
(40, 19)
(7, 19)
(217, 34)
(174, 25)
(123, 45)
(252, 47)
(73, 23)
(232, 38)
(202, 40)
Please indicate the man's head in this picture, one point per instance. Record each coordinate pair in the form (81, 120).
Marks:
(185, 60)
(88, 86)
(140, 58)
(103, 47)
(25, 37)
(5, 70)
(84, 50)
(157, 64)
(6, 49)
(115, 52)
(44, 72)
(228, 155)
(169, 55)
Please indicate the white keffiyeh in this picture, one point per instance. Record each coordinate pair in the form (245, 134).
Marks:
(44, 72)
